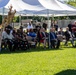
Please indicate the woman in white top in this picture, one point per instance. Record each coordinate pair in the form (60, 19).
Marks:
(9, 39)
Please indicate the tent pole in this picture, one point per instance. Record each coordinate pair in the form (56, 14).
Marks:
(67, 14)
(20, 20)
(48, 16)
(3, 13)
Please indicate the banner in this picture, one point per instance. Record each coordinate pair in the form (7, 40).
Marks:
(3, 3)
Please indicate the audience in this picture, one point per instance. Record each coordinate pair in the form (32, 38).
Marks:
(18, 39)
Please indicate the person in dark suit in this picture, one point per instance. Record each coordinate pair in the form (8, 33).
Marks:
(45, 26)
(61, 32)
(56, 26)
(69, 36)
(70, 26)
(55, 43)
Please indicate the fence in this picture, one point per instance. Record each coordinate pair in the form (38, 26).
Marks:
(64, 23)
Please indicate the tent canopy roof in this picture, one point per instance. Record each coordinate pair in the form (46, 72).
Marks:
(41, 7)
(20, 5)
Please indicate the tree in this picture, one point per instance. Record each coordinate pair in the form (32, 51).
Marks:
(72, 2)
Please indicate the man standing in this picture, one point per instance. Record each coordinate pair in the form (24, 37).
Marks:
(30, 26)
(74, 28)
(70, 26)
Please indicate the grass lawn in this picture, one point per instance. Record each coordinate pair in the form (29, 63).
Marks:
(39, 62)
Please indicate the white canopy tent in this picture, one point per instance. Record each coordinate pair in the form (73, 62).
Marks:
(20, 5)
(46, 7)
(65, 6)
(56, 5)
(50, 4)
(40, 7)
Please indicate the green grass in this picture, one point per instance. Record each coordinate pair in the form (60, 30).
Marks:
(39, 62)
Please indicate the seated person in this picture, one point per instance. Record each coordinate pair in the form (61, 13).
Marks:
(21, 39)
(29, 26)
(53, 39)
(42, 37)
(9, 38)
(68, 36)
(60, 34)
(32, 34)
